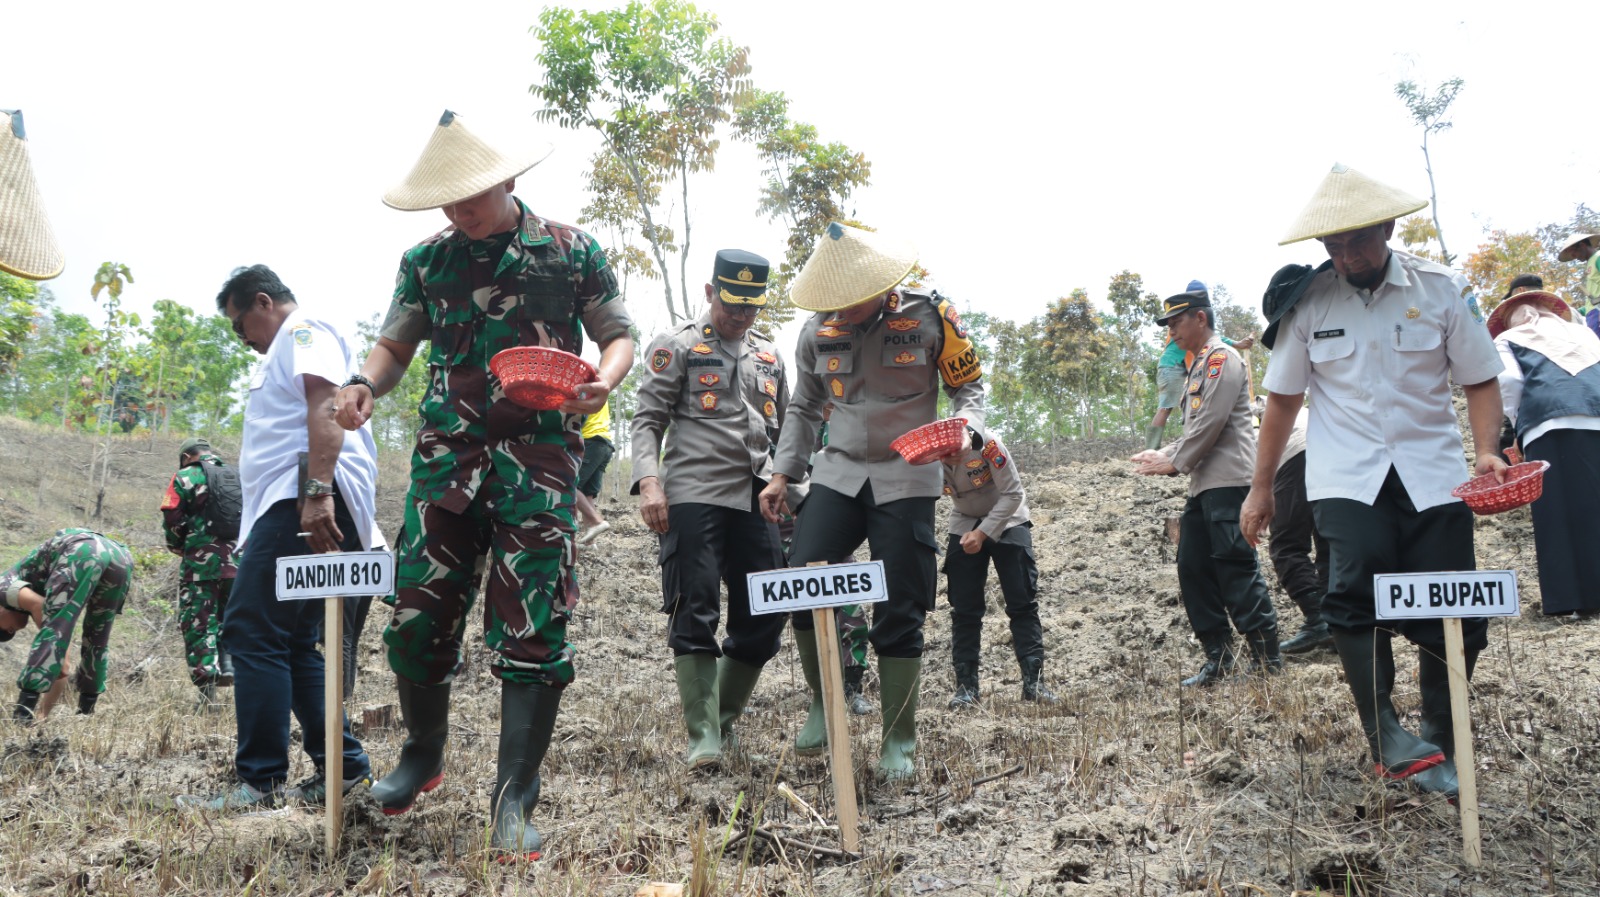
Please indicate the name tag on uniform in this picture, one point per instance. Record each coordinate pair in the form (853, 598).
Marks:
(1326, 334)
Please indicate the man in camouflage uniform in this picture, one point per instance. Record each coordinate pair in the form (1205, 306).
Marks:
(715, 393)
(878, 354)
(488, 475)
(989, 521)
(75, 573)
(206, 572)
(1218, 574)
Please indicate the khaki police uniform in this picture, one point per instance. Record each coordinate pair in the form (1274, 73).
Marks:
(986, 494)
(882, 378)
(1217, 571)
(716, 404)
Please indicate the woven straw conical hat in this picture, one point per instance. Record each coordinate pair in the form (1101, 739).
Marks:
(457, 165)
(1349, 200)
(848, 266)
(1565, 254)
(27, 244)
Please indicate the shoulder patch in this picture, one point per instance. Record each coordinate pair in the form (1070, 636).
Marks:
(660, 358)
(950, 314)
(958, 359)
(302, 336)
(170, 500)
(1471, 299)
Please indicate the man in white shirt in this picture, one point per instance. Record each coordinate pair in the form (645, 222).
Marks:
(1376, 339)
(277, 667)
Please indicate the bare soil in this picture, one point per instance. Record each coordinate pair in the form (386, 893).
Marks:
(1130, 786)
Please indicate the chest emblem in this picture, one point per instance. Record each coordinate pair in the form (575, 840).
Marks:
(831, 331)
(708, 401)
(1194, 404)
(982, 479)
(659, 359)
(1413, 313)
(770, 387)
(836, 386)
(894, 301)
(833, 364)
(710, 379)
(905, 358)
(948, 490)
(769, 409)
(975, 464)
(1194, 386)
(904, 324)
(701, 349)
(768, 357)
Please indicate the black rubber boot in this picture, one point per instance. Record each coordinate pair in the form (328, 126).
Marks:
(1313, 632)
(421, 766)
(1218, 646)
(86, 702)
(1433, 678)
(1368, 661)
(224, 669)
(207, 701)
(1264, 656)
(853, 698)
(966, 686)
(27, 703)
(1033, 687)
(527, 720)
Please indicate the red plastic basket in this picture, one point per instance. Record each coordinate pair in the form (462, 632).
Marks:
(931, 442)
(540, 378)
(1524, 483)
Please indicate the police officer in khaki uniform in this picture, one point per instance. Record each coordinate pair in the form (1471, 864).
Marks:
(721, 390)
(1217, 570)
(878, 354)
(989, 521)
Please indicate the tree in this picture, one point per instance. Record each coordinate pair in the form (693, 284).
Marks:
(1062, 365)
(1418, 234)
(1503, 256)
(654, 82)
(112, 351)
(1429, 111)
(393, 419)
(1133, 309)
(808, 182)
(19, 310)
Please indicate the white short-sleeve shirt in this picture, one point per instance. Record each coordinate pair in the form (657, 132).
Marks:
(275, 425)
(1378, 365)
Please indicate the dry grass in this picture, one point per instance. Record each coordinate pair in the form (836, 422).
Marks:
(1092, 797)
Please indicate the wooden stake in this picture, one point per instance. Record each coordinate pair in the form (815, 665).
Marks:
(1455, 656)
(333, 717)
(843, 770)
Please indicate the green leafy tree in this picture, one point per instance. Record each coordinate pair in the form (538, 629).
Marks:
(19, 311)
(1128, 349)
(655, 82)
(1431, 113)
(394, 420)
(112, 352)
(1237, 322)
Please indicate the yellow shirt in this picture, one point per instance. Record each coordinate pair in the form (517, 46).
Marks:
(598, 423)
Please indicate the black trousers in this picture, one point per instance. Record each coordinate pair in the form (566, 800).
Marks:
(705, 547)
(1217, 571)
(1392, 536)
(833, 525)
(966, 575)
(1294, 534)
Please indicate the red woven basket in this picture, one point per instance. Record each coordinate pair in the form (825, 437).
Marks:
(931, 442)
(1524, 483)
(540, 378)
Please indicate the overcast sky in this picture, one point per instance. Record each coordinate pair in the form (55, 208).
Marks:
(1026, 148)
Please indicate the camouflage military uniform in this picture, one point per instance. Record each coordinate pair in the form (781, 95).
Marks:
(489, 475)
(206, 572)
(77, 572)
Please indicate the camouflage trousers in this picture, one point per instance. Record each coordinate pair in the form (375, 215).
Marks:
(852, 622)
(91, 582)
(200, 604)
(529, 593)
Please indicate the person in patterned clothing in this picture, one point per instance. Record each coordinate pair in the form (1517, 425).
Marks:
(878, 352)
(206, 572)
(76, 573)
(488, 476)
(715, 395)
(989, 522)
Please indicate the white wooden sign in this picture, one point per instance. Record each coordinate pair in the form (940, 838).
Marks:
(337, 575)
(808, 588)
(1427, 596)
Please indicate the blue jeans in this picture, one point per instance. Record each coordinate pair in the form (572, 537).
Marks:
(277, 668)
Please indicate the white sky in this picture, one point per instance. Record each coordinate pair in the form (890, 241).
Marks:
(1026, 148)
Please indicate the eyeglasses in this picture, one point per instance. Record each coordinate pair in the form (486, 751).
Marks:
(739, 311)
(238, 323)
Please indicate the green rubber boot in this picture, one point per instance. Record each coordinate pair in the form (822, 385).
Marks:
(899, 682)
(813, 737)
(426, 712)
(697, 692)
(527, 720)
(736, 682)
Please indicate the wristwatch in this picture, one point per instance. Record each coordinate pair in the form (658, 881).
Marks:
(358, 380)
(316, 488)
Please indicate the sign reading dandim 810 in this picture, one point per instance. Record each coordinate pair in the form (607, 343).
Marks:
(336, 575)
